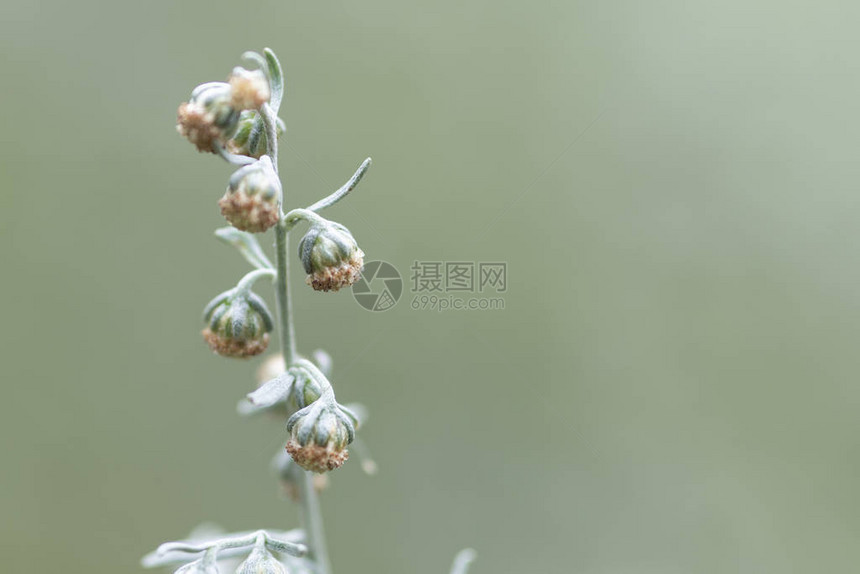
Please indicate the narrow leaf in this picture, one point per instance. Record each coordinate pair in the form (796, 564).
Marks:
(276, 79)
(272, 392)
(247, 245)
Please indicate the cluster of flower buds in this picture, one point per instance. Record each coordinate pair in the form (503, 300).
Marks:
(238, 324)
(213, 113)
(320, 433)
(252, 200)
(330, 255)
(320, 427)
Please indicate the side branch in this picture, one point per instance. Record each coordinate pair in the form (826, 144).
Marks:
(344, 190)
(295, 216)
(216, 546)
(245, 284)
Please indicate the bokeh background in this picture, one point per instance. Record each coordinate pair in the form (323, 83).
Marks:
(671, 387)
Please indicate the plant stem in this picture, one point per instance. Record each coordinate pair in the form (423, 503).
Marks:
(313, 524)
(310, 507)
(282, 291)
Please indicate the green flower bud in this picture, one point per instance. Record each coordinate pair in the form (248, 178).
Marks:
(330, 256)
(209, 116)
(261, 561)
(251, 200)
(250, 89)
(250, 135)
(319, 435)
(239, 324)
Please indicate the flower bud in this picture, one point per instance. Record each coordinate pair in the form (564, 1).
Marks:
(250, 89)
(209, 116)
(261, 561)
(330, 256)
(250, 135)
(251, 200)
(319, 435)
(239, 324)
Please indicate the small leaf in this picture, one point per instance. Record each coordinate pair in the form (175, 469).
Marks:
(272, 392)
(247, 245)
(276, 79)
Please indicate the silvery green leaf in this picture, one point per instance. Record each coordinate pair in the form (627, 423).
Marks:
(344, 190)
(270, 393)
(247, 245)
(246, 409)
(276, 79)
(272, 68)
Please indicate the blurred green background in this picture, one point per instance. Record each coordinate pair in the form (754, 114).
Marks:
(672, 386)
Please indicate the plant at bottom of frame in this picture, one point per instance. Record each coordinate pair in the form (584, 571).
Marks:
(238, 121)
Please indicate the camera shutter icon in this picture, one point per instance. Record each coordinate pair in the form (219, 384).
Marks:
(379, 287)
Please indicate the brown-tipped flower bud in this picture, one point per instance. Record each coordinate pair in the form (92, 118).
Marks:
(250, 135)
(250, 89)
(239, 324)
(319, 435)
(208, 117)
(251, 200)
(330, 256)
